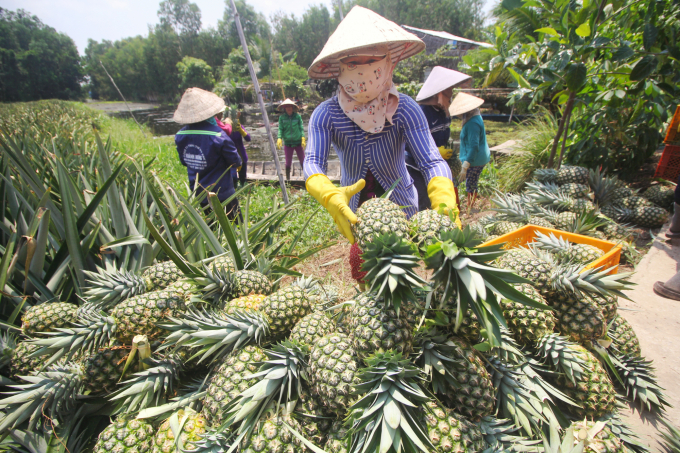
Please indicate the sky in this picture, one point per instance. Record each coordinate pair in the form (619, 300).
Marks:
(116, 19)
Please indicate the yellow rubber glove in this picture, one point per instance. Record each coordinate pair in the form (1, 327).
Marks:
(304, 142)
(241, 130)
(279, 143)
(440, 190)
(445, 152)
(335, 200)
(239, 168)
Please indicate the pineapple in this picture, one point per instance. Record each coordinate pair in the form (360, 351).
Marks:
(285, 308)
(229, 380)
(454, 161)
(575, 190)
(528, 266)
(633, 202)
(609, 304)
(272, 436)
(332, 372)
(48, 317)
(487, 220)
(647, 216)
(125, 435)
(625, 340)
(596, 437)
(21, 363)
(618, 233)
(376, 327)
(252, 302)
(501, 228)
(569, 174)
(104, 369)
(141, 314)
(107, 288)
(660, 195)
(184, 288)
(161, 275)
(378, 216)
(450, 432)
(314, 419)
(338, 438)
(558, 199)
(311, 328)
(578, 317)
(193, 427)
(545, 175)
(527, 324)
(567, 251)
(427, 225)
(594, 392)
(250, 282)
(475, 396)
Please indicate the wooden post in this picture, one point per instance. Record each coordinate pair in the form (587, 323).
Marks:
(265, 116)
(123, 97)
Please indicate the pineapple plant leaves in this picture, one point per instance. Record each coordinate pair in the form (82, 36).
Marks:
(639, 381)
(436, 358)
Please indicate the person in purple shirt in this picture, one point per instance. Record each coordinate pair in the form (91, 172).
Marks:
(238, 134)
(205, 149)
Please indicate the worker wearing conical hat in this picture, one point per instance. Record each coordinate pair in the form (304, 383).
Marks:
(474, 151)
(435, 98)
(291, 134)
(204, 148)
(368, 121)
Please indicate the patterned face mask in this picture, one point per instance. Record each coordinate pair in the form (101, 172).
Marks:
(365, 82)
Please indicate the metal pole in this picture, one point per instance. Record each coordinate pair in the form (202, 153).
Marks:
(342, 16)
(121, 95)
(265, 117)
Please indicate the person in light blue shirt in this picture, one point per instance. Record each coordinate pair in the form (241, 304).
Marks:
(474, 150)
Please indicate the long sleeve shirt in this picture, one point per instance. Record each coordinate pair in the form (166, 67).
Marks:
(440, 128)
(382, 153)
(291, 129)
(473, 146)
(208, 153)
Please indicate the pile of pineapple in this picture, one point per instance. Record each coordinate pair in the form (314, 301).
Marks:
(495, 351)
(581, 201)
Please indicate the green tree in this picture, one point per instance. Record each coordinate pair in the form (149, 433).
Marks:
(307, 36)
(182, 16)
(36, 62)
(254, 24)
(194, 72)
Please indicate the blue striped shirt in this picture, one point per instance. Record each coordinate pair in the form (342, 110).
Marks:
(382, 153)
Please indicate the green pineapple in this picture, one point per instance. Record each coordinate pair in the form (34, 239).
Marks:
(528, 266)
(647, 216)
(332, 372)
(252, 302)
(161, 275)
(230, 379)
(594, 392)
(454, 161)
(566, 251)
(578, 317)
(314, 419)
(311, 328)
(272, 436)
(125, 435)
(250, 282)
(557, 198)
(545, 175)
(338, 438)
(575, 190)
(20, 362)
(609, 304)
(618, 233)
(141, 314)
(427, 225)
(527, 324)
(379, 216)
(104, 369)
(47, 317)
(376, 327)
(450, 432)
(633, 202)
(572, 174)
(193, 427)
(285, 308)
(623, 335)
(184, 288)
(501, 228)
(660, 195)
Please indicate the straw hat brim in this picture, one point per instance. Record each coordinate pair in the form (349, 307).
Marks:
(463, 103)
(288, 102)
(440, 79)
(197, 105)
(361, 30)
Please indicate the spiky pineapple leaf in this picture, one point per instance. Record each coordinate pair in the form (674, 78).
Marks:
(621, 430)
(639, 382)
(554, 351)
(436, 360)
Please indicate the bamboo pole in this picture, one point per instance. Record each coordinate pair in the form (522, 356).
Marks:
(265, 116)
(342, 16)
(121, 95)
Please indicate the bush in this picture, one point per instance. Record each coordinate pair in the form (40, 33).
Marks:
(194, 72)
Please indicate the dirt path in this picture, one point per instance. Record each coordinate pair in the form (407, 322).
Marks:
(656, 322)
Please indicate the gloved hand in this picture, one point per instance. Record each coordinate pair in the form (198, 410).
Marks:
(304, 142)
(440, 190)
(463, 171)
(239, 168)
(240, 129)
(445, 152)
(335, 200)
(279, 143)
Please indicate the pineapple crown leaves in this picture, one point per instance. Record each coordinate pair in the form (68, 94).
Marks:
(586, 221)
(390, 263)
(508, 350)
(603, 187)
(570, 443)
(551, 242)
(577, 279)
(523, 396)
(214, 441)
(436, 360)
(91, 331)
(511, 207)
(52, 393)
(640, 382)
(386, 418)
(625, 433)
(192, 393)
(499, 438)
(216, 283)
(216, 333)
(556, 352)
(105, 289)
(459, 269)
(150, 387)
(671, 437)
(8, 343)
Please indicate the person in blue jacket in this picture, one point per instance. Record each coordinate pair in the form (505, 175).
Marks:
(474, 151)
(205, 149)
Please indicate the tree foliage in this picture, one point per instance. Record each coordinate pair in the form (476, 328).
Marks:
(194, 72)
(305, 36)
(36, 61)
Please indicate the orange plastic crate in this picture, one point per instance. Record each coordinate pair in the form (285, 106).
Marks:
(527, 234)
(669, 164)
(673, 132)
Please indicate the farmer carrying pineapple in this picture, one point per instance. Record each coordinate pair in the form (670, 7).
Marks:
(368, 121)
(435, 99)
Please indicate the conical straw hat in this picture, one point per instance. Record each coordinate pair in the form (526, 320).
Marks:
(197, 105)
(360, 30)
(288, 101)
(439, 80)
(463, 103)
